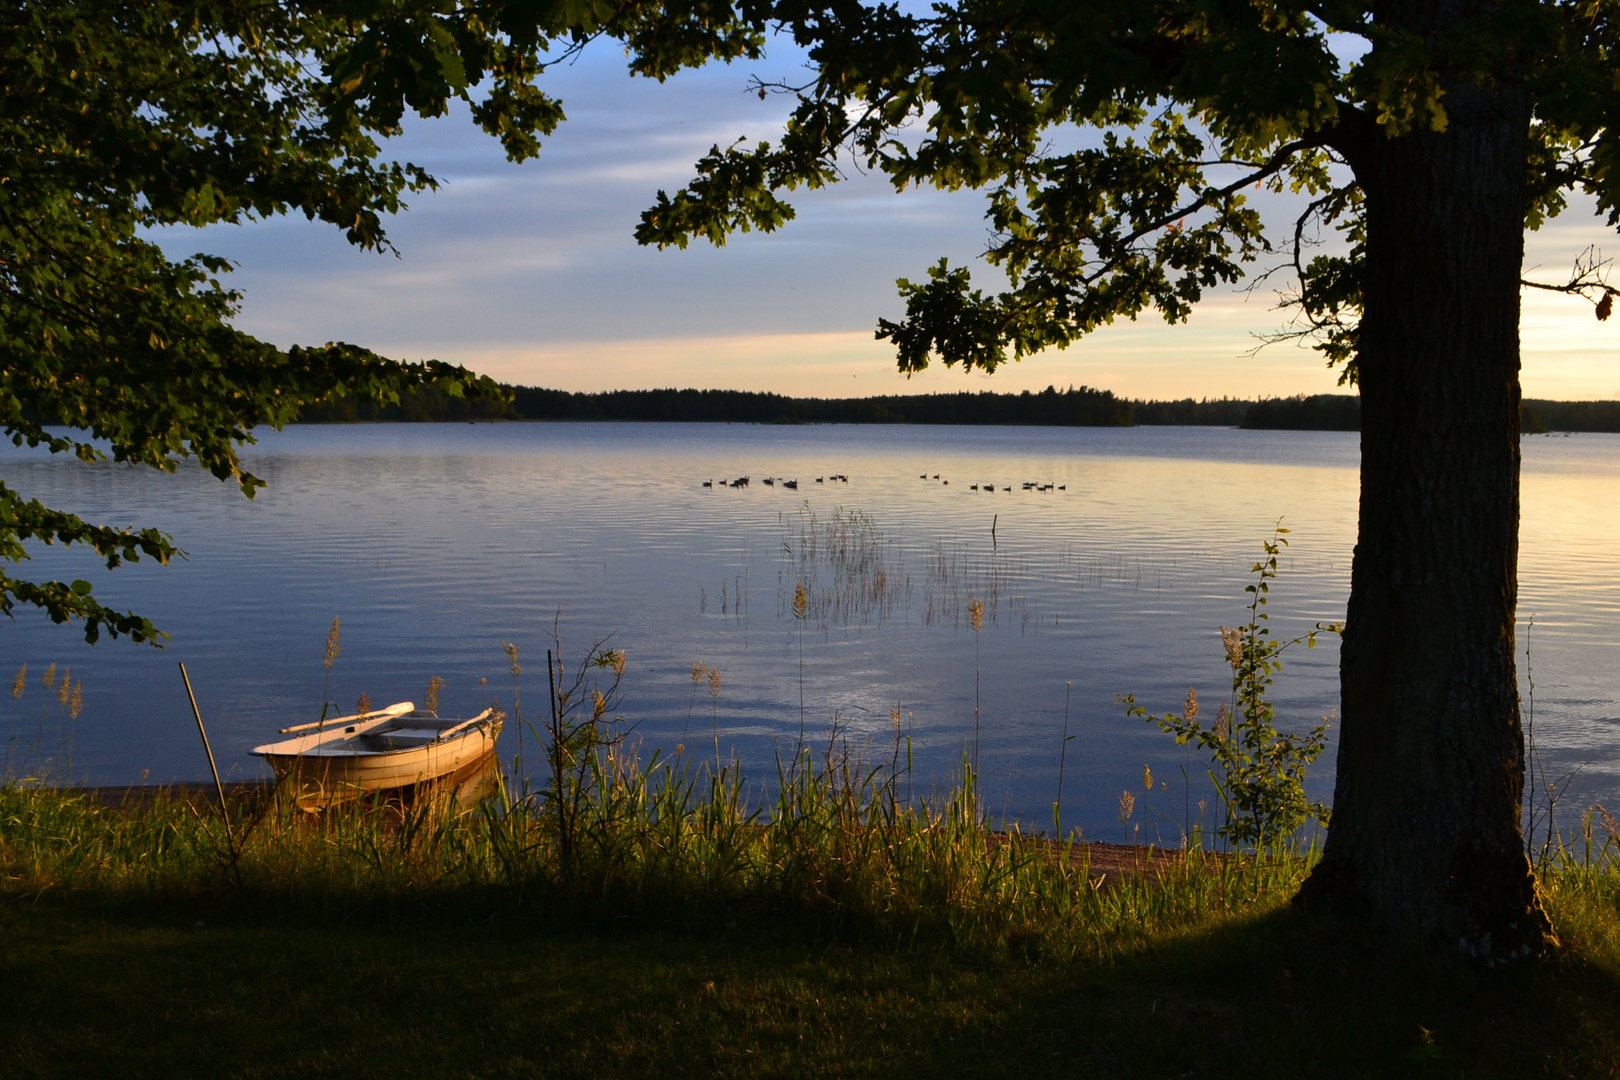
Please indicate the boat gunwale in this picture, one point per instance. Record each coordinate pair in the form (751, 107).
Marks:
(480, 725)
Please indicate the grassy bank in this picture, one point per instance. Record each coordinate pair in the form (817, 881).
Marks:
(855, 937)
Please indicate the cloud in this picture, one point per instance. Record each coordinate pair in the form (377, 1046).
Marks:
(531, 272)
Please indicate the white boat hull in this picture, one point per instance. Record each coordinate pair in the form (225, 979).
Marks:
(395, 749)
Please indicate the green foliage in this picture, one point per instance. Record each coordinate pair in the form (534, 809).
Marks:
(1258, 771)
(121, 117)
(1193, 105)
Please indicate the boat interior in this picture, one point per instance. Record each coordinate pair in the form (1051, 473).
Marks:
(416, 728)
(397, 727)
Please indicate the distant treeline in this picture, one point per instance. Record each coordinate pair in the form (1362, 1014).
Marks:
(1342, 412)
(1316, 412)
(1542, 415)
(417, 406)
(1074, 407)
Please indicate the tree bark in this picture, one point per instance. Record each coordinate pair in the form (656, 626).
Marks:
(1425, 828)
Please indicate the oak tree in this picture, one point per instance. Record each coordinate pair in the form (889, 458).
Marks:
(1425, 151)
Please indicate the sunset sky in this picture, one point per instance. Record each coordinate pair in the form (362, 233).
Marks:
(530, 273)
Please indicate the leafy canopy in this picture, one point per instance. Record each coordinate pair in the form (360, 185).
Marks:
(121, 118)
(1192, 105)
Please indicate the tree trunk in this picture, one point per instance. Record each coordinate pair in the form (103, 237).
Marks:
(1425, 827)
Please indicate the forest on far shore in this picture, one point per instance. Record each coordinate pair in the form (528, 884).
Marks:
(1075, 407)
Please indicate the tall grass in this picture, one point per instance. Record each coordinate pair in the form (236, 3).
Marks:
(834, 845)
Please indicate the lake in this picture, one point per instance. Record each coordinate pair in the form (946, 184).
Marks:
(436, 544)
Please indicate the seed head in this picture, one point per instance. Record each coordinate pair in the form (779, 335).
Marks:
(1223, 722)
(1609, 824)
(618, 663)
(512, 658)
(1127, 806)
(19, 682)
(431, 704)
(894, 714)
(1189, 711)
(801, 602)
(364, 706)
(714, 682)
(75, 702)
(1147, 779)
(50, 676)
(1232, 638)
(334, 644)
(698, 670)
(598, 706)
(63, 689)
(976, 615)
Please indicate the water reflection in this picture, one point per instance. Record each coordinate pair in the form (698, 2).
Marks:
(437, 543)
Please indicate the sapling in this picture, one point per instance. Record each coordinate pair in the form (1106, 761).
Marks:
(1258, 771)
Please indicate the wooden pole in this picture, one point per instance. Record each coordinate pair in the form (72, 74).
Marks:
(224, 813)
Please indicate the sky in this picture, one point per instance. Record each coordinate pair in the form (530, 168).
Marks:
(530, 273)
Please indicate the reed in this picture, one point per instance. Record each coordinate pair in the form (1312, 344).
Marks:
(834, 844)
(334, 645)
(976, 621)
(846, 571)
(43, 760)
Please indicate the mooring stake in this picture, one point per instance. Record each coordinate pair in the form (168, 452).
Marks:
(224, 813)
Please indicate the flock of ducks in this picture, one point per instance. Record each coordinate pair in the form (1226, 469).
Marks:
(1029, 485)
(793, 485)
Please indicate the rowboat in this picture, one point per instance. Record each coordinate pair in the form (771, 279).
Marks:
(399, 748)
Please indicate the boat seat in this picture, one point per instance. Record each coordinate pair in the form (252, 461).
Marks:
(401, 738)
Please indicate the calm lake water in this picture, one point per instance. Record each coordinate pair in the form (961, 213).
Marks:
(437, 543)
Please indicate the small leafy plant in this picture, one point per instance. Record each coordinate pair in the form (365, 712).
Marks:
(1258, 771)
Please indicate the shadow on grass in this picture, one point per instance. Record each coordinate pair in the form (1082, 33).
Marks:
(481, 990)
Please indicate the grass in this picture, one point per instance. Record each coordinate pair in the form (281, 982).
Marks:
(514, 989)
(843, 934)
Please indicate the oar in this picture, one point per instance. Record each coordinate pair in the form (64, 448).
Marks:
(379, 714)
(465, 723)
